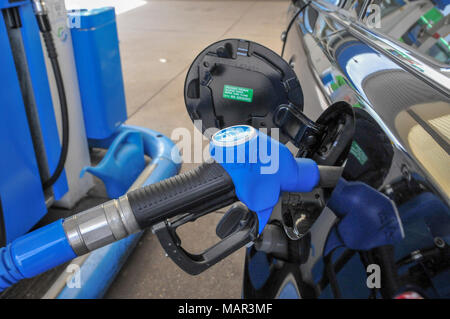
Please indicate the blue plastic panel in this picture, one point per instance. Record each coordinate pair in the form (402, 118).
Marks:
(97, 57)
(121, 165)
(20, 185)
(8, 3)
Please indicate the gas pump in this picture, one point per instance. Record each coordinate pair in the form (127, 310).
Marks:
(239, 90)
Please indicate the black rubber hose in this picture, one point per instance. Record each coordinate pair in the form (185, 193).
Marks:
(337, 266)
(290, 26)
(44, 26)
(384, 257)
(331, 275)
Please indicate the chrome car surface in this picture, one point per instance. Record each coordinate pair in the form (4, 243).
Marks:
(396, 75)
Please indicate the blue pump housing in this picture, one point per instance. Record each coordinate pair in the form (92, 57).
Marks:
(19, 171)
(97, 58)
(16, 215)
(261, 168)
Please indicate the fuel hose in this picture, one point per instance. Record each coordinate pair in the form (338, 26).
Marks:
(291, 22)
(45, 28)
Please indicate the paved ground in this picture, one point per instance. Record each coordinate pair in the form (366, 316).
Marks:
(158, 41)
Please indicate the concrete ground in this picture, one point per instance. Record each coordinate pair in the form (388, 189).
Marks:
(158, 42)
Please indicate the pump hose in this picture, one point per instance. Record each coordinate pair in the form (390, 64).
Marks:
(291, 22)
(45, 28)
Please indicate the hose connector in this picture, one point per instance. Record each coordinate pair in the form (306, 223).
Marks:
(100, 225)
(39, 7)
(41, 13)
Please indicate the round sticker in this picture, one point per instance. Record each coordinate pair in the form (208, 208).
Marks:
(234, 135)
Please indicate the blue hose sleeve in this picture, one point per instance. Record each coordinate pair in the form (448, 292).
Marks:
(34, 253)
(9, 274)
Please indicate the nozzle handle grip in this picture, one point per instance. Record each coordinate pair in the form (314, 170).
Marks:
(181, 194)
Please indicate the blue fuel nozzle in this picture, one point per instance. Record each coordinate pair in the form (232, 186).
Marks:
(261, 168)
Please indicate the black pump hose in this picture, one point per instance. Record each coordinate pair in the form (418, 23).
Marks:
(45, 28)
(291, 22)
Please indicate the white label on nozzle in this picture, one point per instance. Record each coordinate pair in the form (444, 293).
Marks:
(234, 135)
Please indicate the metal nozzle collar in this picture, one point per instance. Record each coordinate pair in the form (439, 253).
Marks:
(100, 225)
(39, 7)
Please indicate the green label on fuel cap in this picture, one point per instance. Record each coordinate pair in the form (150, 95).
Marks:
(237, 93)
